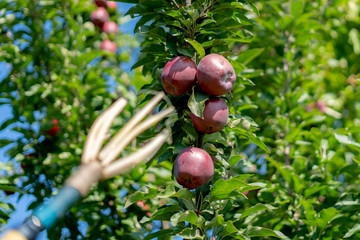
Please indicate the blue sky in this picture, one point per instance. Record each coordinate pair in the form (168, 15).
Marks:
(5, 113)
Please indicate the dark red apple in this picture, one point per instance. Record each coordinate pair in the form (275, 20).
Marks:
(99, 16)
(100, 3)
(215, 116)
(193, 167)
(178, 75)
(108, 45)
(110, 27)
(215, 75)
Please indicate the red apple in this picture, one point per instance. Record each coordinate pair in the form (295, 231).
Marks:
(193, 167)
(215, 75)
(310, 107)
(321, 106)
(110, 27)
(215, 116)
(99, 16)
(178, 75)
(140, 203)
(100, 3)
(108, 45)
(111, 5)
(53, 130)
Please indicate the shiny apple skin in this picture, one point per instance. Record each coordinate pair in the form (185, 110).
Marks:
(193, 167)
(178, 75)
(215, 117)
(215, 75)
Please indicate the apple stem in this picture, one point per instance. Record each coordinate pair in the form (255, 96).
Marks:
(200, 140)
(198, 200)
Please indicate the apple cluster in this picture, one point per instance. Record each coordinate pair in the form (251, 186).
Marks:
(215, 76)
(101, 19)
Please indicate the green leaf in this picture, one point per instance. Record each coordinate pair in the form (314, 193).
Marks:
(185, 196)
(249, 55)
(314, 189)
(265, 232)
(142, 61)
(5, 142)
(197, 101)
(353, 230)
(309, 211)
(251, 73)
(229, 229)
(235, 159)
(223, 188)
(187, 216)
(142, 194)
(163, 213)
(198, 47)
(255, 10)
(296, 8)
(326, 215)
(167, 192)
(257, 208)
(252, 138)
(190, 233)
(347, 140)
(161, 234)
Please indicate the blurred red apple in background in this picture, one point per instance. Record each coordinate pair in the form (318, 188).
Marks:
(110, 27)
(99, 16)
(53, 130)
(111, 5)
(108, 45)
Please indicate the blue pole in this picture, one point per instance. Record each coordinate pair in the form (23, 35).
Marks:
(47, 214)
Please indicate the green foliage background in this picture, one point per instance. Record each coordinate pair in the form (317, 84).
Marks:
(287, 162)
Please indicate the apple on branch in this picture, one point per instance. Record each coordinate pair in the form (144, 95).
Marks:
(193, 167)
(214, 118)
(178, 75)
(215, 75)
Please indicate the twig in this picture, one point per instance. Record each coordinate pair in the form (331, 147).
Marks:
(287, 69)
(177, 5)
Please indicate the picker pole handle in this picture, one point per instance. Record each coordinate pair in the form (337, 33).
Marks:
(13, 235)
(47, 214)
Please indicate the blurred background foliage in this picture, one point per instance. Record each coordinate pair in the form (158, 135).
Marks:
(298, 85)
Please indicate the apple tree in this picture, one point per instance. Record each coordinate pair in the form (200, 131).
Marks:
(265, 138)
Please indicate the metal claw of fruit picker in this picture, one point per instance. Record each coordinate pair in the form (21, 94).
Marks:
(98, 163)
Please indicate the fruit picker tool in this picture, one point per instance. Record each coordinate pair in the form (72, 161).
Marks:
(98, 163)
